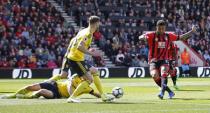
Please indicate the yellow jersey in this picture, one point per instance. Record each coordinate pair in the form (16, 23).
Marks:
(63, 86)
(73, 52)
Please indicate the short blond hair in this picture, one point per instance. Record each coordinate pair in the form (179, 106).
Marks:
(94, 19)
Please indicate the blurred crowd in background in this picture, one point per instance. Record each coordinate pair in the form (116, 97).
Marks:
(33, 34)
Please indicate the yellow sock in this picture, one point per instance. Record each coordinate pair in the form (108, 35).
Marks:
(86, 91)
(55, 77)
(80, 88)
(29, 96)
(22, 91)
(97, 83)
(33, 95)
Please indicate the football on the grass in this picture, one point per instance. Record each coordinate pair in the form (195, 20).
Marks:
(117, 92)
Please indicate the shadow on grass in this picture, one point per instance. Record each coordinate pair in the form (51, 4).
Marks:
(190, 90)
(6, 92)
(191, 98)
(122, 103)
(89, 98)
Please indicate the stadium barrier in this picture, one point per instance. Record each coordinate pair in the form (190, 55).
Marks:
(124, 72)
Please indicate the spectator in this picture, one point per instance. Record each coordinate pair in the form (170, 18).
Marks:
(143, 62)
(206, 55)
(51, 56)
(135, 61)
(31, 64)
(40, 63)
(99, 61)
(40, 26)
(59, 61)
(5, 63)
(133, 51)
(21, 63)
(185, 60)
(89, 60)
(120, 58)
(33, 58)
(51, 64)
(144, 51)
(128, 59)
(25, 34)
(97, 37)
(27, 51)
(108, 48)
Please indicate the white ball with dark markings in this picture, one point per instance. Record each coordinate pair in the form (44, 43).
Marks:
(117, 92)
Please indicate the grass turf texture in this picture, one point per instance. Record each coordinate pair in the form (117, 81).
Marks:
(140, 96)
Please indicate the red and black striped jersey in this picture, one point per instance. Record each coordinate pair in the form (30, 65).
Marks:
(159, 44)
(173, 51)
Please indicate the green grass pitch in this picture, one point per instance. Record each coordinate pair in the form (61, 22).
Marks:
(140, 96)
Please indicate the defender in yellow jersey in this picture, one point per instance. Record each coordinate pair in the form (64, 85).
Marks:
(74, 60)
(79, 46)
(52, 90)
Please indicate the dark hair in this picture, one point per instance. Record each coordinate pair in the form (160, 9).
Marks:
(94, 19)
(161, 23)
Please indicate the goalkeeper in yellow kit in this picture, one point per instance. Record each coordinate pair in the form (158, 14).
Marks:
(52, 89)
(74, 59)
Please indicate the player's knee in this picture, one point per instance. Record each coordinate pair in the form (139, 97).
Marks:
(154, 73)
(164, 85)
(90, 80)
(41, 91)
(30, 87)
(164, 69)
(88, 77)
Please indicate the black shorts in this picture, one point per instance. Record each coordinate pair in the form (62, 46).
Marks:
(79, 67)
(157, 64)
(52, 86)
(65, 65)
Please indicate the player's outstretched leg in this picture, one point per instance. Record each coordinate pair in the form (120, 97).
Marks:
(163, 87)
(164, 80)
(158, 81)
(155, 75)
(174, 78)
(22, 93)
(98, 84)
(88, 79)
(43, 92)
(173, 73)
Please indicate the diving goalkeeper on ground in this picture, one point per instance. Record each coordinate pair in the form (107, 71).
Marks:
(52, 89)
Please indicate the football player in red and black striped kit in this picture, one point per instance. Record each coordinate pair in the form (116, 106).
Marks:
(173, 54)
(159, 43)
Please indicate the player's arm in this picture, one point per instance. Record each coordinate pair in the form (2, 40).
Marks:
(67, 51)
(188, 34)
(81, 47)
(70, 45)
